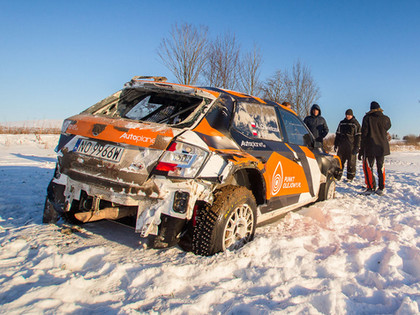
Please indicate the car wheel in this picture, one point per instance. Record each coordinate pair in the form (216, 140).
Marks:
(228, 224)
(327, 189)
(50, 214)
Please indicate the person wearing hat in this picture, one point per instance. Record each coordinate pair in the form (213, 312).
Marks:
(316, 123)
(347, 141)
(374, 147)
(287, 104)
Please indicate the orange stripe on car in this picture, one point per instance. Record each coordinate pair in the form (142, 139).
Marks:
(205, 128)
(120, 131)
(308, 152)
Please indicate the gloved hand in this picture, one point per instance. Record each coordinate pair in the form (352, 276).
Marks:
(360, 156)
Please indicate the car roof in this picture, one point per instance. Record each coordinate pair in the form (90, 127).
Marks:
(160, 83)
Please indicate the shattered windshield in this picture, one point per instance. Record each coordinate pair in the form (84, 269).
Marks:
(141, 105)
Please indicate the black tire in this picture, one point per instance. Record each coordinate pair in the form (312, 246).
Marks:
(327, 189)
(227, 224)
(50, 214)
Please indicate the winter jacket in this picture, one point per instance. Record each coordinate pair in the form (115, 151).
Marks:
(317, 124)
(347, 137)
(374, 134)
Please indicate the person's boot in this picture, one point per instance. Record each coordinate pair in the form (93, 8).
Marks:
(367, 192)
(380, 192)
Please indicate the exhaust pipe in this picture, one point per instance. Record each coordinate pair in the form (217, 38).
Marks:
(106, 213)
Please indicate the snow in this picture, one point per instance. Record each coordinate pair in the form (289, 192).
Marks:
(351, 255)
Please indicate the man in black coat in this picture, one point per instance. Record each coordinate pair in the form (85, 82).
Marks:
(374, 146)
(316, 123)
(347, 140)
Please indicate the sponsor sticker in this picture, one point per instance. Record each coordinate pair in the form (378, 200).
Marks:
(137, 138)
(277, 180)
(254, 131)
(252, 144)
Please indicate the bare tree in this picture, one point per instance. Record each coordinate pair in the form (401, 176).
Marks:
(275, 88)
(223, 62)
(184, 52)
(302, 90)
(250, 72)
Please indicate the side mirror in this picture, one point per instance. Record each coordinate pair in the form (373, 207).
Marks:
(317, 145)
(309, 141)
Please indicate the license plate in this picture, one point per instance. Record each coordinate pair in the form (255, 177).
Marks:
(103, 151)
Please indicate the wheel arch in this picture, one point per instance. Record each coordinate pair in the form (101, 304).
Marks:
(253, 180)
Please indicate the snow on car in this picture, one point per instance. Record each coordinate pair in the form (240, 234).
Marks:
(201, 167)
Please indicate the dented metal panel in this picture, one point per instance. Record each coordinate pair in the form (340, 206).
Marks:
(158, 149)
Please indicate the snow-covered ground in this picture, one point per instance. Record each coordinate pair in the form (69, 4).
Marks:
(351, 255)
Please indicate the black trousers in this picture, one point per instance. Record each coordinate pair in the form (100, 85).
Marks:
(351, 163)
(368, 162)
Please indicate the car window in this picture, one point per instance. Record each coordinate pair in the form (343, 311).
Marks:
(140, 105)
(296, 131)
(257, 121)
(141, 109)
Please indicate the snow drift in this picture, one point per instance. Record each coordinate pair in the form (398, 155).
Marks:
(351, 255)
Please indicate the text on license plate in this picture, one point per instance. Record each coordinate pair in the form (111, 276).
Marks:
(104, 151)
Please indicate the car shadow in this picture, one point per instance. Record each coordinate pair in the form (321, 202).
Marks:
(116, 232)
(35, 158)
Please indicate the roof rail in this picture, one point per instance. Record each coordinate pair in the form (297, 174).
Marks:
(155, 78)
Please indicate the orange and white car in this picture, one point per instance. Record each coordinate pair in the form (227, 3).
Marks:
(199, 166)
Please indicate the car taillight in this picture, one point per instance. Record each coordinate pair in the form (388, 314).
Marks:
(66, 124)
(182, 160)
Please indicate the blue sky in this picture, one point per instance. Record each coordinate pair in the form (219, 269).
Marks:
(59, 57)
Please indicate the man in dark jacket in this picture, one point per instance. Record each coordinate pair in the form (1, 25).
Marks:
(347, 140)
(374, 146)
(316, 123)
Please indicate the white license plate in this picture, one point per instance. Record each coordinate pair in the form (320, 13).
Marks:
(103, 151)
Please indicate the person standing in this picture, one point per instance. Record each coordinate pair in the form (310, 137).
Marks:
(287, 104)
(317, 124)
(374, 147)
(347, 141)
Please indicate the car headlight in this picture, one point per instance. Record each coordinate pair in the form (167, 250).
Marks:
(182, 160)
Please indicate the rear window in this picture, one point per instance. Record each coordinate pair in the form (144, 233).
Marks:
(139, 105)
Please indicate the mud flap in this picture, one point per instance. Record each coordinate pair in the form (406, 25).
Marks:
(147, 222)
(170, 231)
(50, 214)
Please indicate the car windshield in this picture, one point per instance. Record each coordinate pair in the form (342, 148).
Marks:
(141, 105)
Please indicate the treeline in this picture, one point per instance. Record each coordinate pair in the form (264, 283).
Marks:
(28, 130)
(409, 140)
(412, 139)
(196, 59)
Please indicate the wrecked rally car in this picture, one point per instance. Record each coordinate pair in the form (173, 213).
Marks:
(201, 167)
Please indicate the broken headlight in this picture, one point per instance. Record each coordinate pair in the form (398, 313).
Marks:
(182, 160)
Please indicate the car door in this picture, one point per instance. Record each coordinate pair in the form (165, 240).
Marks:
(298, 139)
(257, 130)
